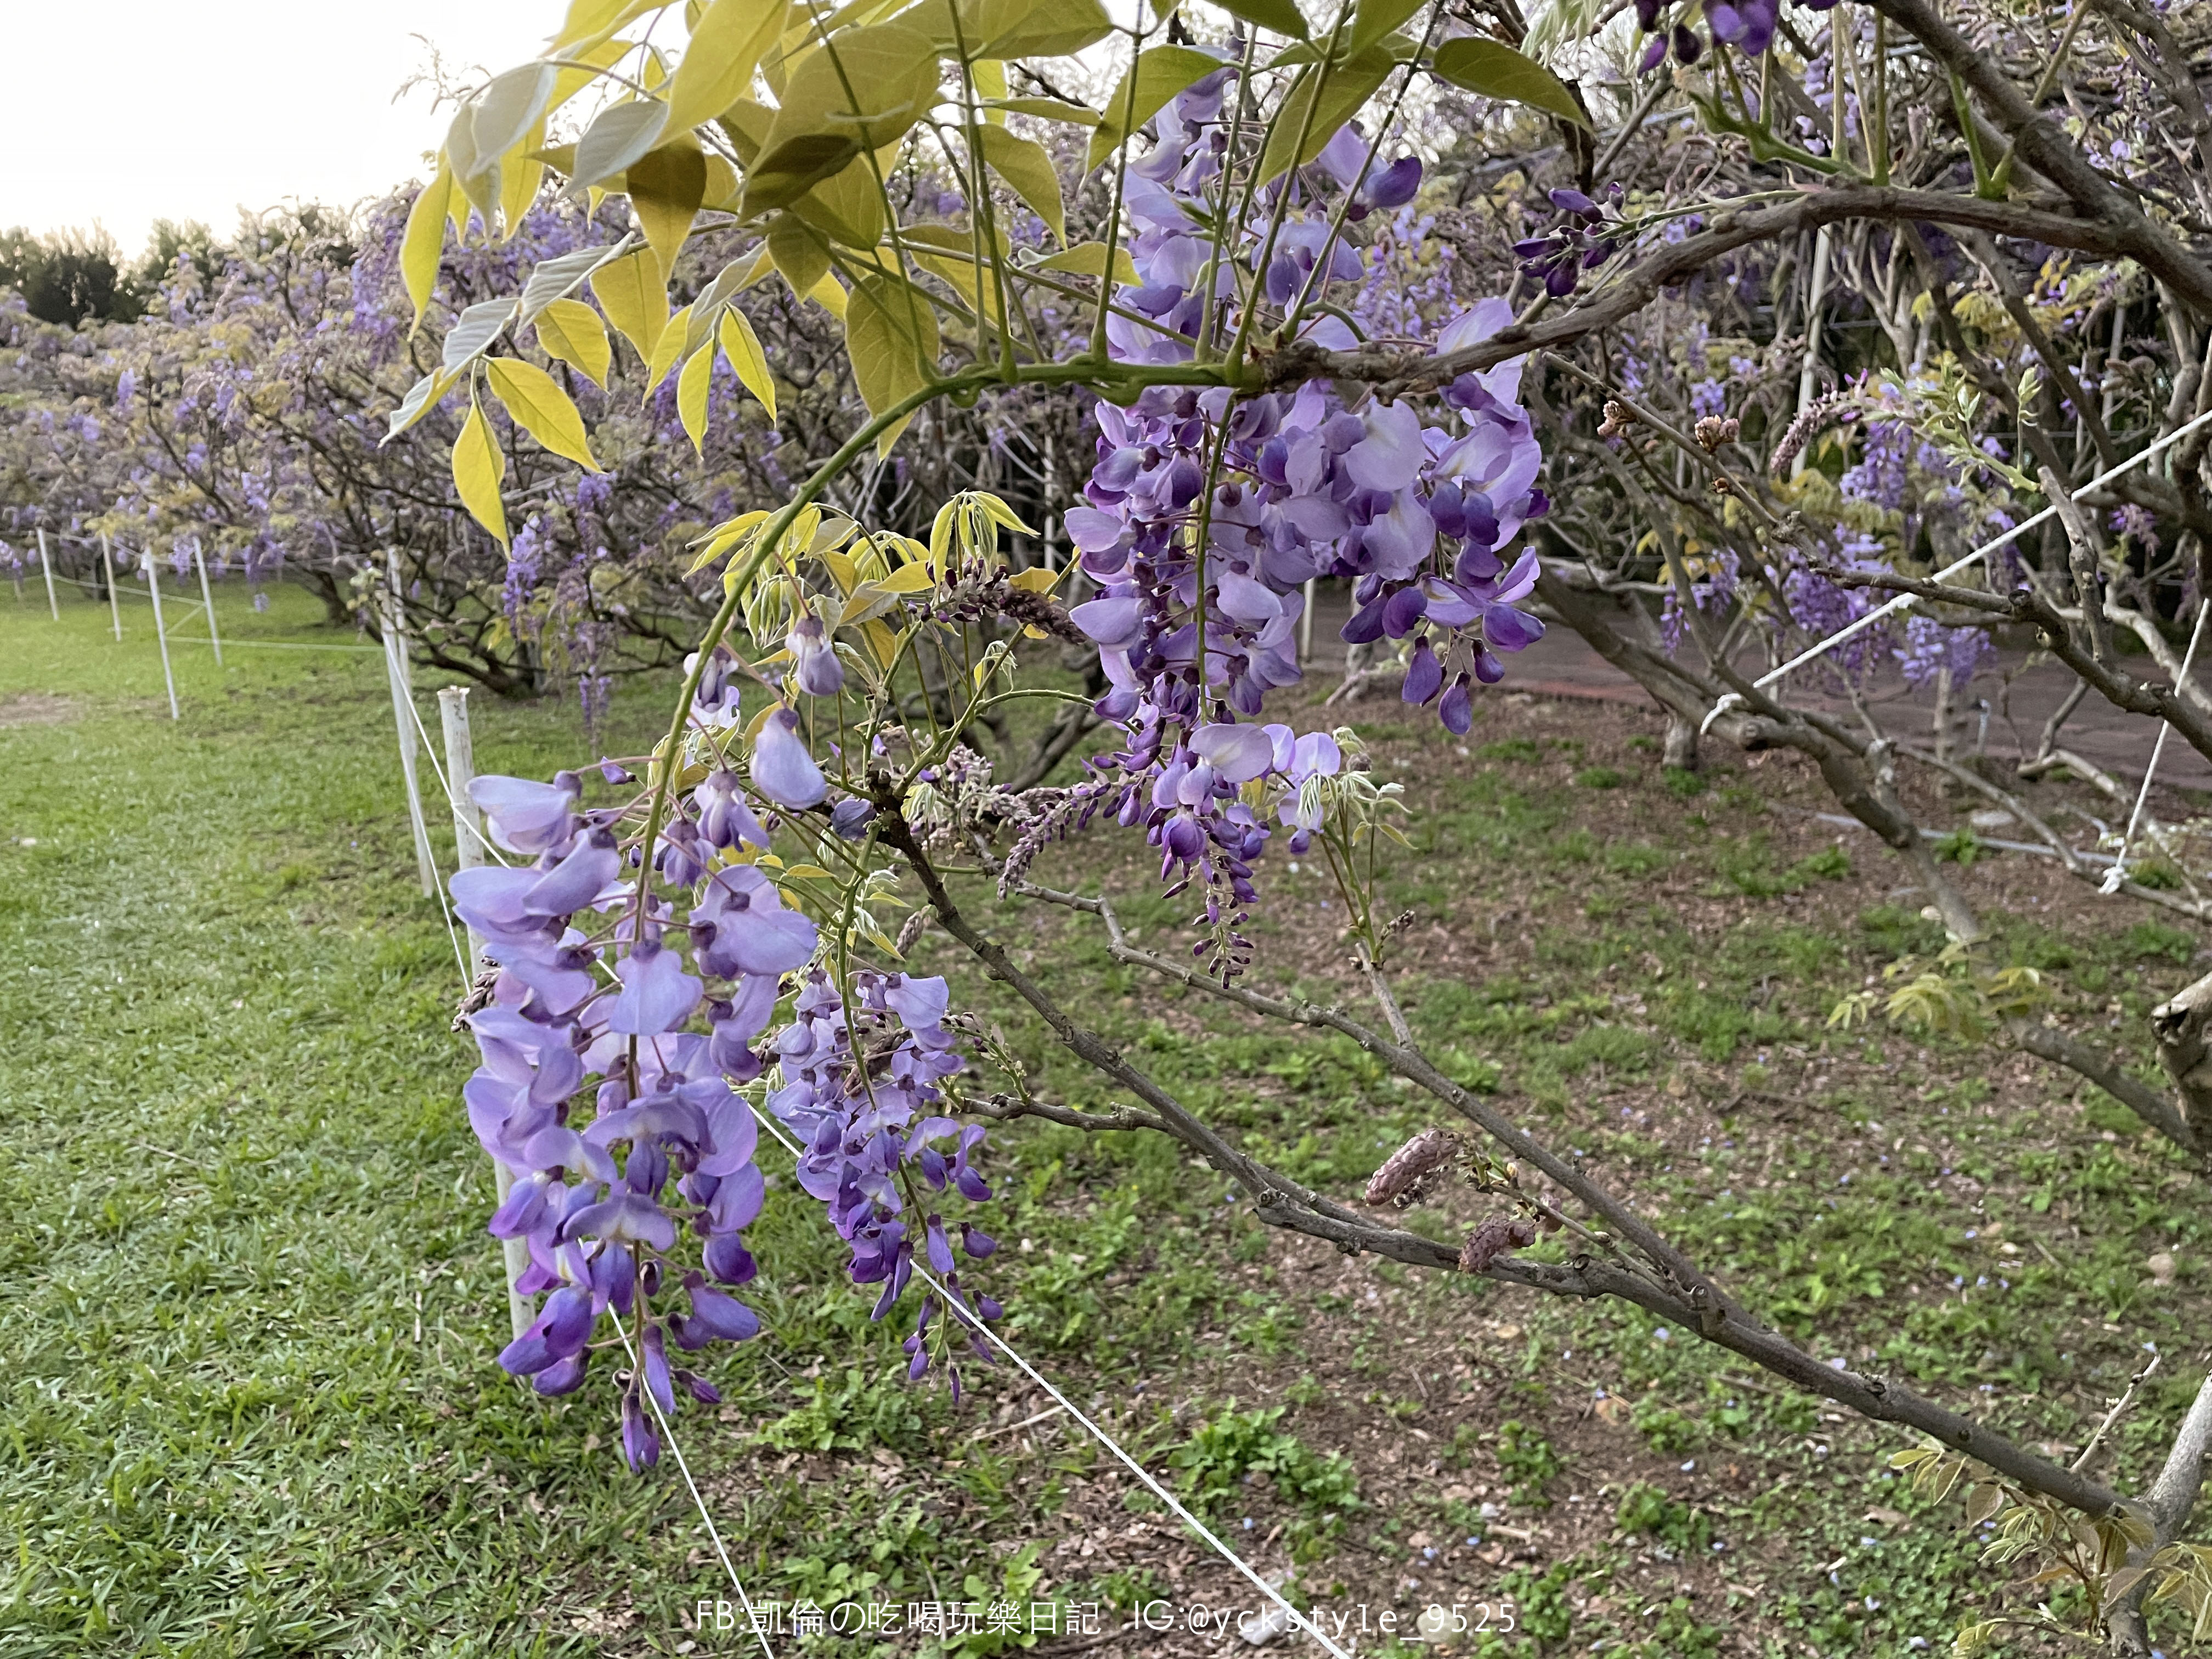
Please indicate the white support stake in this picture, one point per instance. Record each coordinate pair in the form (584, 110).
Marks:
(46, 564)
(161, 633)
(207, 598)
(114, 601)
(468, 853)
(1812, 362)
(1305, 622)
(403, 699)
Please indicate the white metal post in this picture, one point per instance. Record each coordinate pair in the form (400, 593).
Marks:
(1812, 360)
(403, 712)
(46, 564)
(161, 633)
(1305, 622)
(207, 598)
(468, 853)
(114, 599)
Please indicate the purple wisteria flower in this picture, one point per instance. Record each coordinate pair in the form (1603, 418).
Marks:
(613, 1057)
(1417, 514)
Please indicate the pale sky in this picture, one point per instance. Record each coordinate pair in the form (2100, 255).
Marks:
(131, 111)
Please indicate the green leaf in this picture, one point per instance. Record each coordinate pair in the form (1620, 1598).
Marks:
(1155, 76)
(1377, 18)
(1089, 259)
(797, 252)
(1493, 70)
(1334, 98)
(890, 337)
(539, 406)
(479, 466)
(996, 29)
(666, 189)
(791, 167)
(848, 206)
(1023, 163)
(1276, 16)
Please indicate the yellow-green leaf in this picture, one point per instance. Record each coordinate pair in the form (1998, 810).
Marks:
(1155, 76)
(862, 88)
(421, 397)
(1090, 259)
(720, 58)
(1494, 69)
(572, 330)
(539, 406)
(727, 536)
(848, 206)
(424, 239)
(518, 188)
(910, 578)
(479, 466)
(829, 296)
(579, 72)
(668, 352)
(590, 19)
(742, 348)
(691, 388)
(797, 251)
(1001, 29)
(1277, 16)
(666, 190)
(1024, 164)
(634, 294)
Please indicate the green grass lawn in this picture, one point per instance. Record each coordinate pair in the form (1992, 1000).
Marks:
(250, 1309)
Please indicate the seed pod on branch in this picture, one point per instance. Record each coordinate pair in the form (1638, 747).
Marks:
(1494, 1238)
(1402, 1173)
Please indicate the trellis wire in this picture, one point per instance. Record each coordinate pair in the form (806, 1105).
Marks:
(1103, 1438)
(1851, 630)
(2117, 873)
(775, 1130)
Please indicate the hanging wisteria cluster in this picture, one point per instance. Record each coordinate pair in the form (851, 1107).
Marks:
(1209, 514)
(616, 1027)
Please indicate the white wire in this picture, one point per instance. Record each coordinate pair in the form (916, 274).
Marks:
(1105, 1440)
(2117, 873)
(1853, 629)
(667, 1429)
(713, 1532)
(775, 1131)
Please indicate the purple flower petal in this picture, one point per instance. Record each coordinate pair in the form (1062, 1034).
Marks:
(781, 769)
(657, 995)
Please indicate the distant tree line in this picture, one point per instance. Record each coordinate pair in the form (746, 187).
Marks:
(66, 276)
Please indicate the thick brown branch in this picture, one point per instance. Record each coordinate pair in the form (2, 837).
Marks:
(2049, 1043)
